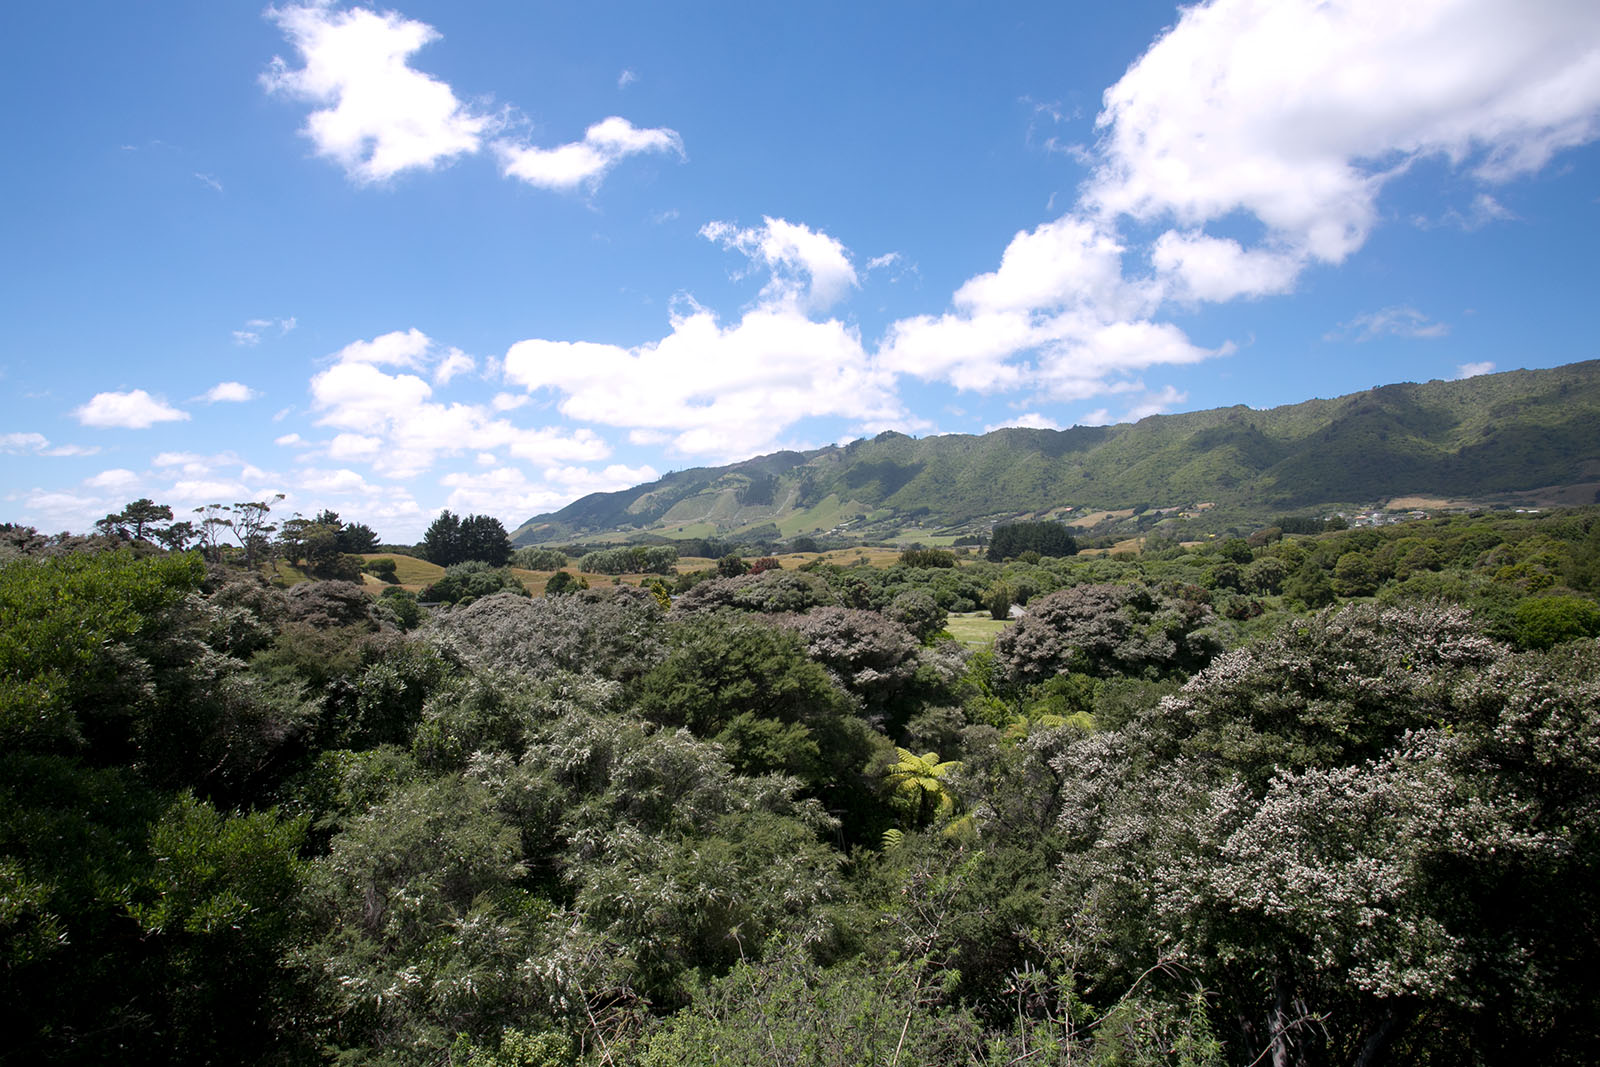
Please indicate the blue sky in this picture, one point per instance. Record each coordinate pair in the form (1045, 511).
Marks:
(495, 256)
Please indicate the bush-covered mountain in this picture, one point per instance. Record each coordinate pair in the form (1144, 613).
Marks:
(1490, 435)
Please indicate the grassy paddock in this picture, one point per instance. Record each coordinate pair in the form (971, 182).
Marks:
(974, 629)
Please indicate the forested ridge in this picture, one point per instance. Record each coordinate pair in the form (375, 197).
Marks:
(1476, 439)
(1322, 798)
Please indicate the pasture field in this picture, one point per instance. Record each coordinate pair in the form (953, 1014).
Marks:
(974, 629)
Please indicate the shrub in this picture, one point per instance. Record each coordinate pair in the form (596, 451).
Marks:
(382, 569)
(473, 579)
(928, 558)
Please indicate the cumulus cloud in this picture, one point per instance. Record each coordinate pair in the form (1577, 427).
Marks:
(725, 390)
(509, 493)
(1217, 269)
(393, 422)
(117, 480)
(1059, 295)
(808, 268)
(1389, 322)
(228, 392)
(1279, 117)
(715, 390)
(1472, 370)
(133, 410)
(584, 162)
(1298, 111)
(454, 362)
(378, 115)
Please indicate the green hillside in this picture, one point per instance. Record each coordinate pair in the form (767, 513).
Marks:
(1474, 439)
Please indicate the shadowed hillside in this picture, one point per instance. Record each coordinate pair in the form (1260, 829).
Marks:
(1493, 434)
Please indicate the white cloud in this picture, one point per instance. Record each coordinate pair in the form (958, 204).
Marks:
(251, 333)
(1156, 404)
(392, 421)
(133, 410)
(1030, 421)
(1484, 210)
(454, 362)
(508, 401)
(1290, 114)
(584, 162)
(809, 268)
(15, 443)
(1060, 294)
(723, 391)
(1071, 262)
(1298, 111)
(509, 494)
(1389, 322)
(1097, 417)
(115, 480)
(726, 391)
(399, 349)
(228, 392)
(626, 78)
(380, 116)
(354, 446)
(1472, 370)
(1220, 269)
(290, 440)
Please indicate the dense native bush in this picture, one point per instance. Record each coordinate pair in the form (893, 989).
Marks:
(873, 657)
(1107, 629)
(471, 581)
(239, 824)
(1321, 826)
(613, 634)
(539, 559)
(637, 559)
(769, 592)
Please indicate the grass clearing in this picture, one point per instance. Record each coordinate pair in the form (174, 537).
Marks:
(974, 629)
(413, 573)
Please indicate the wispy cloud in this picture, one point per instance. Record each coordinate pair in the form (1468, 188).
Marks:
(1396, 321)
(253, 330)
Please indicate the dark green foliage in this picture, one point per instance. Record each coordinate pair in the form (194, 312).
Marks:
(563, 582)
(1011, 540)
(239, 824)
(451, 539)
(539, 559)
(919, 613)
(928, 557)
(1543, 622)
(638, 559)
(731, 566)
(402, 605)
(769, 592)
(473, 579)
(74, 641)
(1107, 629)
(382, 569)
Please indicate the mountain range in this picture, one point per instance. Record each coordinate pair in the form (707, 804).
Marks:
(1523, 435)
